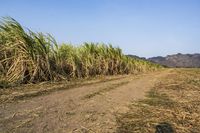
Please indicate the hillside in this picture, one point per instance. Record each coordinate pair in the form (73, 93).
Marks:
(178, 60)
(137, 57)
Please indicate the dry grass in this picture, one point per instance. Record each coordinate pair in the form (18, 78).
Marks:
(175, 101)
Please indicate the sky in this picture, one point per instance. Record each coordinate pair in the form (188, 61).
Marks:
(145, 28)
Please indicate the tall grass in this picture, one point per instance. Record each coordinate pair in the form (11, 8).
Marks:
(26, 57)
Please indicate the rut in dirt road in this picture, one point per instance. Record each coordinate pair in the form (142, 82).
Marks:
(89, 108)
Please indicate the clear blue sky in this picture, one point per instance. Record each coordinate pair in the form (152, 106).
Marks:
(142, 27)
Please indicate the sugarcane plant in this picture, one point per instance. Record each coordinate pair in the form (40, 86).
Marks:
(29, 57)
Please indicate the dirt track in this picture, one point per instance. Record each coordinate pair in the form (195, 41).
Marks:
(89, 108)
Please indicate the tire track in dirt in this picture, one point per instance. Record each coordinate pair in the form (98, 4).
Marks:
(14, 114)
(68, 110)
(21, 93)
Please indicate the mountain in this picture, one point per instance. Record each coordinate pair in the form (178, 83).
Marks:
(178, 60)
(136, 57)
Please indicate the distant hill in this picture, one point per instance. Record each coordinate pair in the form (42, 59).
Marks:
(178, 60)
(137, 57)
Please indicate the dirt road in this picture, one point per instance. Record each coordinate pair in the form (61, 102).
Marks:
(87, 108)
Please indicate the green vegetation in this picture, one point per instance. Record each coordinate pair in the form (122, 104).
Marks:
(28, 57)
(174, 101)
